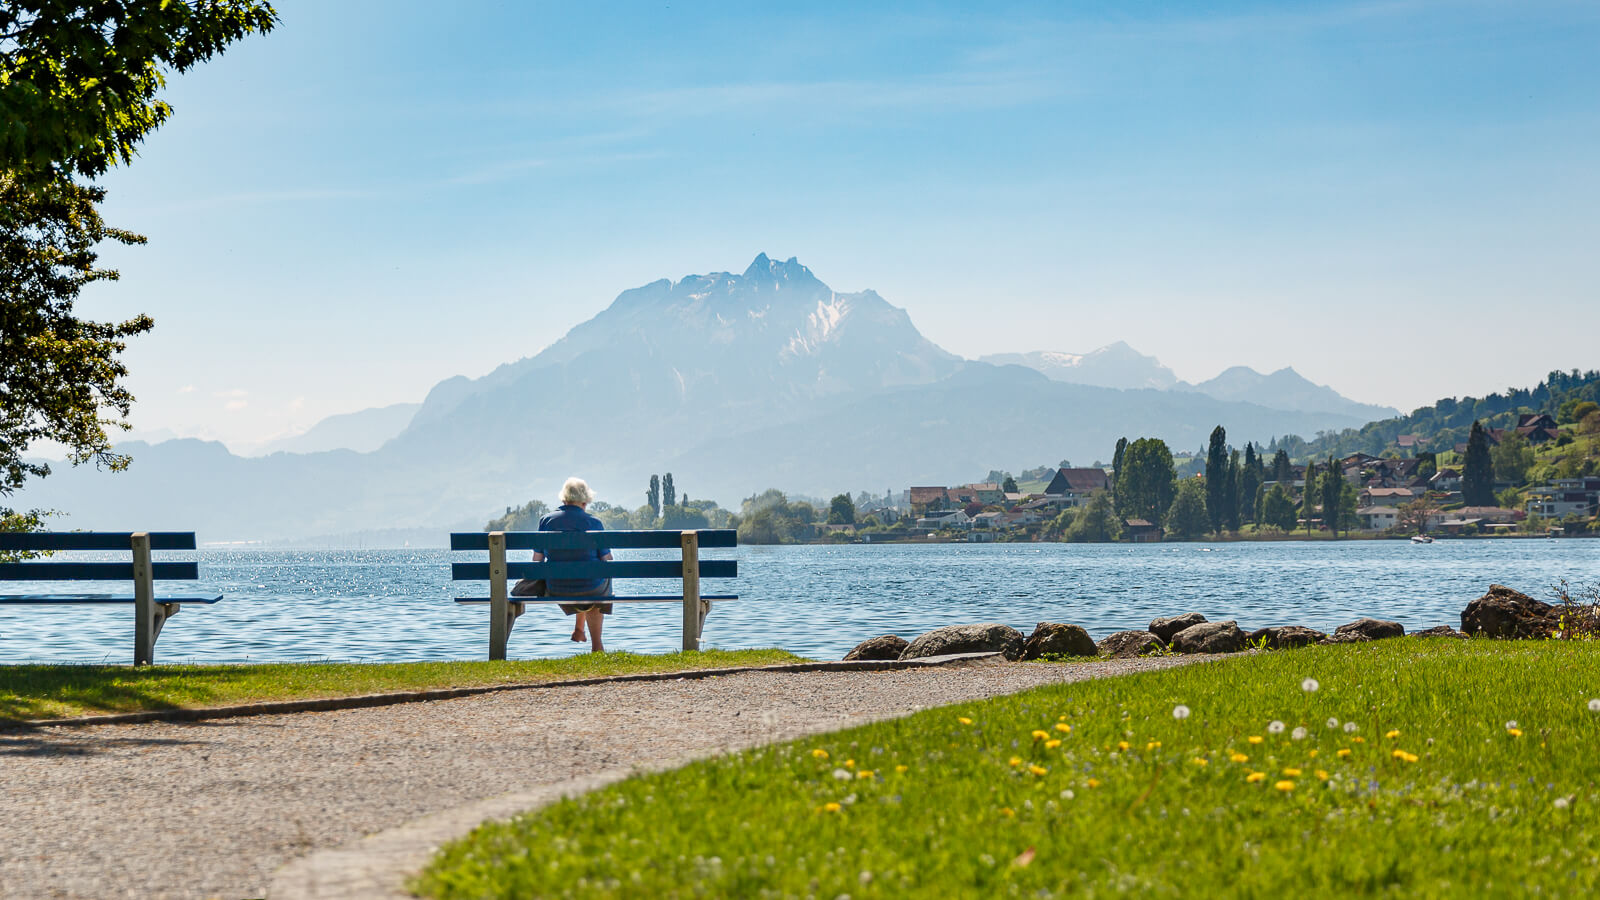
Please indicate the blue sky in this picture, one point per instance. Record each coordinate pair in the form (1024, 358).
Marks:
(1397, 198)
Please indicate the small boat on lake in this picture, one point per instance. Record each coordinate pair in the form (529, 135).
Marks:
(1421, 539)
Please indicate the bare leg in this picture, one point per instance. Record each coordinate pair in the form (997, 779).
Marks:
(577, 627)
(596, 617)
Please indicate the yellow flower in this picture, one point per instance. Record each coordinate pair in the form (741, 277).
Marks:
(1238, 757)
(1038, 769)
(1063, 727)
(1016, 761)
(1254, 777)
(1312, 753)
(963, 720)
(1093, 782)
(1008, 812)
(1255, 738)
(1392, 733)
(864, 773)
(830, 807)
(1404, 756)
(1061, 718)
(1514, 732)
(901, 769)
(1285, 786)
(1344, 751)
(1052, 743)
(1321, 775)
(1040, 735)
(1358, 739)
(1122, 745)
(849, 764)
(1201, 761)
(1152, 745)
(1292, 773)
(819, 753)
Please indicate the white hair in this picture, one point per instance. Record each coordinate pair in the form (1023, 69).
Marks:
(576, 491)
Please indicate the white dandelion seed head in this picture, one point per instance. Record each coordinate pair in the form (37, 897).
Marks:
(1298, 734)
(842, 774)
(1333, 723)
(1561, 802)
(1067, 794)
(1511, 724)
(1594, 705)
(1182, 712)
(1275, 727)
(1310, 685)
(1351, 728)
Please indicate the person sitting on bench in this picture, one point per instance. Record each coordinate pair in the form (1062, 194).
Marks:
(571, 516)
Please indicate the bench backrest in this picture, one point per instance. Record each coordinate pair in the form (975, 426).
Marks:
(42, 541)
(545, 541)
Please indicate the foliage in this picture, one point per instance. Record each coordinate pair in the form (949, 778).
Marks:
(1251, 474)
(1187, 519)
(1009, 485)
(1217, 479)
(1277, 508)
(1096, 522)
(841, 510)
(1282, 468)
(1512, 458)
(78, 81)
(1574, 409)
(1230, 494)
(682, 518)
(59, 374)
(1333, 485)
(523, 518)
(1117, 459)
(669, 493)
(1310, 496)
(769, 518)
(1144, 482)
(1414, 516)
(54, 691)
(1468, 773)
(1477, 471)
(652, 494)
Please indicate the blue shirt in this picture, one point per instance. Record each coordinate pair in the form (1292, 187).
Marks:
(568, 517)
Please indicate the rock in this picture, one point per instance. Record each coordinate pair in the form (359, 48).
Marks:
(1209, 637)
(1345, 637)
(1055, 639)
(1374, 629)
(1126, 644)
(1505, 613)
(1282, 637)
(990, 637)
(1439, 631)
(889, 646)
(1165, 628)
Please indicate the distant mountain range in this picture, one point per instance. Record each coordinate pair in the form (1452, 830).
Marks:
(733, 382)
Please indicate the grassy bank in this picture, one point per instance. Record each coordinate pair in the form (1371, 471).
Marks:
(1425, 768)
(52, 691)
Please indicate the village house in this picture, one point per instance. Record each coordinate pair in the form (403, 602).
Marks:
(950, 518)
(1445, 480)
(1141, 531)
(925, 500)
(1386, 496)
(1378, 518)
(1564, 497)
(1074, 486)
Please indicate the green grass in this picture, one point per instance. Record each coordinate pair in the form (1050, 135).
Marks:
(1481, 811)
(52, 691)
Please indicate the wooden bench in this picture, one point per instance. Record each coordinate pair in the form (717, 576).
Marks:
(504, 609)
(149, 611)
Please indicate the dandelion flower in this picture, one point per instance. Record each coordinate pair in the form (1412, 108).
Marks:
(1561, 802)
(1122, 745)
(864, 773)
(1040, 735)
(1016, 761)
(902, 769)
(1201, 761)
(1310, 685)
(1153, 745)
(1038, 769)
(1182, 712)
(1299, 733)
(1093, 782)
(819, 753)
(1333, 723)
(841, 775)
(1063, 727)
(1344, 751)
(1275, 727)
(1061, 718)
(1312, 753)
(1254, 777)
(1358, 739)
(1594, 705)
(1351, 728)
(1008, 812)
(1321, 775)
(1067, 794)
(1514, 732)
(1255, 738)
(1403, 756)
(1511, 725)
(1292, 773)
(1238, 757)
(1394, 733)
(963, 720)
(1052, 743)
(830, 806)
(1285, 786)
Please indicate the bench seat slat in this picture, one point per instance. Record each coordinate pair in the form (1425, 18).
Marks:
(93, 540)
(717, 538)
(95, 571)
(709, 568)
(638, 598)
(65, 599)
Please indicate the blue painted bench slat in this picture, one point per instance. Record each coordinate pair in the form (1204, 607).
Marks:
(150, 612)
(499, 572)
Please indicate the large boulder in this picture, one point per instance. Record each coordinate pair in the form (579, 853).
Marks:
(888, 646)
(1374, 629)
(1505, 613)
(990, 637)
(1209, 637)
(1345, 637)
(1055, 639)
(1439, 631)
(1126, 644)
(1282, 637)
(1168, 626)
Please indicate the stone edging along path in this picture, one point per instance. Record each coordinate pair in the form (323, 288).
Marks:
(362, 701)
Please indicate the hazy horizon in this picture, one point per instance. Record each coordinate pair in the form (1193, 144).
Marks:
(376, 197)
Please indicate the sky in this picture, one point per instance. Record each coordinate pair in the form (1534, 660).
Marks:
(1398, 199)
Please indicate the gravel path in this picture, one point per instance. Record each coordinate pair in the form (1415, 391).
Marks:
(210, 809)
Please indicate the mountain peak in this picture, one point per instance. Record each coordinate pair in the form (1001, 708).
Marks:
(764, 270)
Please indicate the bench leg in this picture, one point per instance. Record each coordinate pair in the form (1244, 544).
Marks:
(500, 617)
(705, 610)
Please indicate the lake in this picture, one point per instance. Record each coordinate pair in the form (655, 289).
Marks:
(818, 601)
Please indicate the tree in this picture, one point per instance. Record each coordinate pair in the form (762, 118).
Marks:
(1187, 519)
(684, 518)
(1230, 494)
(1282, 469)
(1308, 497)
(1512, 458)
(1010, 485)
(1097, 523)
(652, 496)
(1277, 508)
(1477, 470)
(78, 81)
(1116, 472)
(1251, 474)
(523, 518)
(669, 494)
(1333, 482)
(1217, 477)
(1427, 464)
(1144, 483)
(841, 510)
(1414, 516)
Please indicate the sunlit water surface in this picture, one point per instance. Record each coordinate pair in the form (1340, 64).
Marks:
(817, 601)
